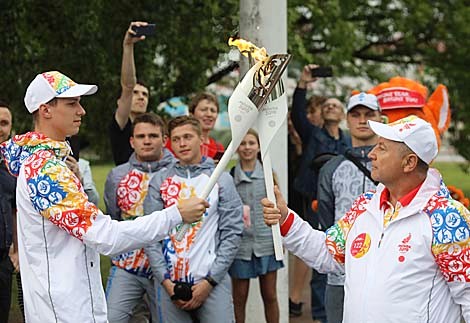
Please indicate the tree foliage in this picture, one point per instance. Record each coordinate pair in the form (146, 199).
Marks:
(373, 39)
(83, 39)
(379, 39)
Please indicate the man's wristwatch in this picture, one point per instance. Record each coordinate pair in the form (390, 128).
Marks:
(211, 281)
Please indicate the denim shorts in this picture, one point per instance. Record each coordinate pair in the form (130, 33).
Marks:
(257, 266)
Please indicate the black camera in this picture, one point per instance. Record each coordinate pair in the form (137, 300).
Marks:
(182, 291)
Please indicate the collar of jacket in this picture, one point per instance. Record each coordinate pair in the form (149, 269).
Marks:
(240, 175)
(153, 166)
(16, 150)
(433, 184)
(206, 165)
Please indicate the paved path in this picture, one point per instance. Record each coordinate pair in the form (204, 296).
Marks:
(306, 316)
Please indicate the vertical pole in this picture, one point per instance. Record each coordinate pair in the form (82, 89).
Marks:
(264, 23)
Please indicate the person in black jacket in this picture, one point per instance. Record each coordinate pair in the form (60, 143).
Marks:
(328, 138)
(7, 220)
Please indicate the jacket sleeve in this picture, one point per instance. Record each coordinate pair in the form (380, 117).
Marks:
(452, 252)
(111, 237)
(299, 115)
(110, 200)
(157, 261)
(323, 251)
(59, 197)
(325, 194)
(153, 202)
(230, 210)
(308, 244)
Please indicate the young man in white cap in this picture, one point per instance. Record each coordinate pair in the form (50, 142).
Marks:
(342, 179)
(61, 233)
(405, 248)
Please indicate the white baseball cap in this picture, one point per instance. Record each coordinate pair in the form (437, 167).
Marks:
(49, 85)
(368, 100)
(414, 132)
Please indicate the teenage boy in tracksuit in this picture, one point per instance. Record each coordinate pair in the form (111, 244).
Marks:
(125, 190)
(204, 254)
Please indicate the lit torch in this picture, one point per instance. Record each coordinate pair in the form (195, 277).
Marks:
(261, 83)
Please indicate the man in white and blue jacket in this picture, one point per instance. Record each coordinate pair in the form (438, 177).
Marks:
(201, 255)
(404, 248)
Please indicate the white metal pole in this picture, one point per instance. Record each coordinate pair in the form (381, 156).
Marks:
(264, 23)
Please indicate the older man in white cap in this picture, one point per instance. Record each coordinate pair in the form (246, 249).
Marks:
(404, 248)
(61, 233)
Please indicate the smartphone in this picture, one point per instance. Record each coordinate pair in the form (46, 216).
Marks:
(147, 30)
(322, 71)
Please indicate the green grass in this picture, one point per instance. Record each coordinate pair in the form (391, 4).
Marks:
(451, 172)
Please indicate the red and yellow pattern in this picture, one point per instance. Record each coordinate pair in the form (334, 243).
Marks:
(131, 193)
(337, 235)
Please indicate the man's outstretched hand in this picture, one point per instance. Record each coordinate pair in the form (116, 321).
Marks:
(192, 209)
(273, 215)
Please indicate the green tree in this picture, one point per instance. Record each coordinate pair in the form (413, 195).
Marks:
(380, 39)
(372, 39)
(84, 40)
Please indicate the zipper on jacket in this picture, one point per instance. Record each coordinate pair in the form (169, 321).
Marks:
(381, 237)
(89, 284)
(363, 175)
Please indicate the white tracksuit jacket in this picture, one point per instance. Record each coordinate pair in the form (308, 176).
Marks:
(61, 233)
(417, 269)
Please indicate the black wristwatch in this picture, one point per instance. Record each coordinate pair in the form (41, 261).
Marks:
(211, 281)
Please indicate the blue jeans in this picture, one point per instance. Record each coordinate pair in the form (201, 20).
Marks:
(334, 302)
(317, 289)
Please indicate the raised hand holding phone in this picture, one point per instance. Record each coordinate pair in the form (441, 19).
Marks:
(322, 71)
(143, 30)
(137, 31)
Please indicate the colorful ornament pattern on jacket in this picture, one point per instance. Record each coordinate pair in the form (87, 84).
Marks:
(451, 235)
(54, 190)
(131, 193)
(337, 234)
(175, 251)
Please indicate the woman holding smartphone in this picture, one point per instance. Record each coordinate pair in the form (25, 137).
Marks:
(255, 258)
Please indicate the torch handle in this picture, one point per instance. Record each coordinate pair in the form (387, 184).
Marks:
(219, 169)
(269, 182)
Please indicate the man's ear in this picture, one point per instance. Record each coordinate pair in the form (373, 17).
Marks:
(131, 141)
(165, 140)
(45, 111)
(409, 163)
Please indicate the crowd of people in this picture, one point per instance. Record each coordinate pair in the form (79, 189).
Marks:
(385, 239)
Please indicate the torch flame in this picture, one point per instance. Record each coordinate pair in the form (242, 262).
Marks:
(247, 48)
